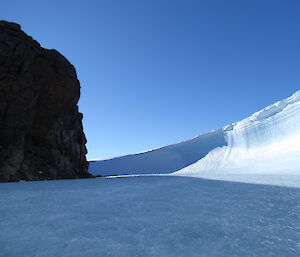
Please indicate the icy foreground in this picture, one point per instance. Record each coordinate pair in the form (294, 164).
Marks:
(264, 148)
(148, 217)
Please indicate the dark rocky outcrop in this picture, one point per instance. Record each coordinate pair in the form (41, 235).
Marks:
(41, 134)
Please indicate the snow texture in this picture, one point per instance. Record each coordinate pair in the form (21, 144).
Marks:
(148, 217)
(264, 144)
(268, 142)
(161, 160)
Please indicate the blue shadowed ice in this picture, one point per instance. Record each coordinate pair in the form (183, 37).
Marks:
(148, 217)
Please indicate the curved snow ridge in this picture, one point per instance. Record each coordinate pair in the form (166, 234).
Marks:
(268, 142)
(265, 113)
(163, 160)
(261, 146)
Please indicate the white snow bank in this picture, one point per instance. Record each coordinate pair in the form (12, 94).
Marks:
(166, 159)
(268, 142)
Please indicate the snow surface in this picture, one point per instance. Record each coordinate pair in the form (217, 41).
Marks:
(266, 143)
(148, 217)
(161, 160)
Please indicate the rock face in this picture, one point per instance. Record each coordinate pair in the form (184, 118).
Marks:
(41, 134)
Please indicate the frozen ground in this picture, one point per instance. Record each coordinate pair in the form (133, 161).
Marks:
(148, 216)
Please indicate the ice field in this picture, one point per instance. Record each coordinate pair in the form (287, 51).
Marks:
(233, 192)
(148, 216)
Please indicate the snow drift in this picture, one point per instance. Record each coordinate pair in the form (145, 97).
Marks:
(268, 142)
(162, 160)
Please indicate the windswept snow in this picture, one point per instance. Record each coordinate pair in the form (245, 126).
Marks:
(161, 160)
(268, 142)
(254, 150)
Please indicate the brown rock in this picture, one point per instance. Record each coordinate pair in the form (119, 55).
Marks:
(41, 134)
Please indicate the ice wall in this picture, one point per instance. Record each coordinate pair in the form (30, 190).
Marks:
(268, 142)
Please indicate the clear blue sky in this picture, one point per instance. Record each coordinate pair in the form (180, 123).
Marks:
(154, 72)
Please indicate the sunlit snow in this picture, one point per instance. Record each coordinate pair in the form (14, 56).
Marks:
(267, 143)
(264, 148)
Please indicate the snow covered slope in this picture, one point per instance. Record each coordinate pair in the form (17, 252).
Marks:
(268, 142)
(166, 159)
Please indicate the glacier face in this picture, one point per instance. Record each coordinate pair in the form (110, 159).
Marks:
(266, 143)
